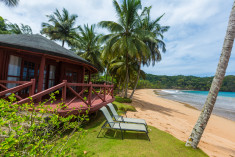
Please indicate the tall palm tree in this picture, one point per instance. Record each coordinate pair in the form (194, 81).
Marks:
(10, 3)
(118, 69)
(60, 27)
(3, 26)
(153, 26)
(201, 123)
(87, 44)
(22, 29)
(125, 38)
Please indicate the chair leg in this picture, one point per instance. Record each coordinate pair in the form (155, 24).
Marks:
(147, 135)
(99, 133)
(122, 134)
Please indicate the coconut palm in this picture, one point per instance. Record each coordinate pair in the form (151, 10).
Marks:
(87, 44)
(125, 38)
(153, 26)
(22, 29)
(117, 69)
(10, 3)
(3, 26)
(201, 123)
(60, 27)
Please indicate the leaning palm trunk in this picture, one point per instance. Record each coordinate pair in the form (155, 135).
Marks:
(137, 79)
(199, 127)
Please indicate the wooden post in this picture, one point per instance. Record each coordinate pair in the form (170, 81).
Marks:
(41, 75)
(90, 94)
(83, 74)
(64, 91)
(104, 91)
(112, 91)
(89, 76)
(32, 88)
(83, 77)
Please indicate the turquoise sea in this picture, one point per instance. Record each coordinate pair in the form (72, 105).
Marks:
(224, 106)
(224, 94)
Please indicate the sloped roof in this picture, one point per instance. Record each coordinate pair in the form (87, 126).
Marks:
(38, 43)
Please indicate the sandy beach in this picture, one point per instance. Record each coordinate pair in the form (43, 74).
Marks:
(178, 119)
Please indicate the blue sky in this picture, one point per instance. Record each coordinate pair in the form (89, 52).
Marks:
(194, 41)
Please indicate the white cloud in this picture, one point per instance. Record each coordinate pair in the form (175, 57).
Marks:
(194, 41)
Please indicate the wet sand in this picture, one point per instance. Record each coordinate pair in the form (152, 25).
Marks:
(178, 119)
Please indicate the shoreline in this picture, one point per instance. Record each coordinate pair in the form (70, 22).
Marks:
(216, 112)
(178, 120)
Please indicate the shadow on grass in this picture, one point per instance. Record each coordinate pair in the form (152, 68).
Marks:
(116, 134)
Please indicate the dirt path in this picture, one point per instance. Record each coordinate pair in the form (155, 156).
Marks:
(178, 120)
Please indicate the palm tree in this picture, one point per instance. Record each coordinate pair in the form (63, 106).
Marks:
(125, 38)
(16, 29)
(60, 27)
(10, 3)
(88, 46)
(118, 69)
(3, 26)
(153, 26)
(201, 123)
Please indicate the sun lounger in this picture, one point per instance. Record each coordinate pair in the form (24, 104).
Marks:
(125, 120)
(110, 124)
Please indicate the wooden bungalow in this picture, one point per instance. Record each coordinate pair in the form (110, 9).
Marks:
(32, 65)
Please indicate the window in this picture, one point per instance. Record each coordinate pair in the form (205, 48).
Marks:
(14, 70)
(51, 81)
(45, 78)
(28, 71)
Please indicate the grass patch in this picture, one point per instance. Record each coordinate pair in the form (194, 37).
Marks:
(122, 100)
(134, 144)
(123, 107)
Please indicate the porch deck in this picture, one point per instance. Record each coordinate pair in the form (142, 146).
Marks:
(96, 95)
(79, 105)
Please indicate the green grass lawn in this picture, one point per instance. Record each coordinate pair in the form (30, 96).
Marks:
(134, 143)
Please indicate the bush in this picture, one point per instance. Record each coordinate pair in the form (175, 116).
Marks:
(122, 100)
(29, 130)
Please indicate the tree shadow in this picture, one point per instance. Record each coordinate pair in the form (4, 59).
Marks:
(144, 105)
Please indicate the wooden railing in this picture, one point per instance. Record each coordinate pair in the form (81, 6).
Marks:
(22, 85)
(88, 90)
(104, 91)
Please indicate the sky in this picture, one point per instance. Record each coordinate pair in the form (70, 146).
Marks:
(193, 42)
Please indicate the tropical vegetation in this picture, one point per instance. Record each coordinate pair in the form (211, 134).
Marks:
(184, 82)
(35, 133)
(61, 27)
(13, 28)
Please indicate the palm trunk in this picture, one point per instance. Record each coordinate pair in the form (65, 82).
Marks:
(127, 78)
(119, 84)
(62, 43)
(199, 127)
(137, 79)
(106, 79)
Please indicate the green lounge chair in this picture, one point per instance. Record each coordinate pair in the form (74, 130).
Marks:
(125, 120)
(110, 124)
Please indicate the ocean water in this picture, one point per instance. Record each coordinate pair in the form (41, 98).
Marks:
(224, 106)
